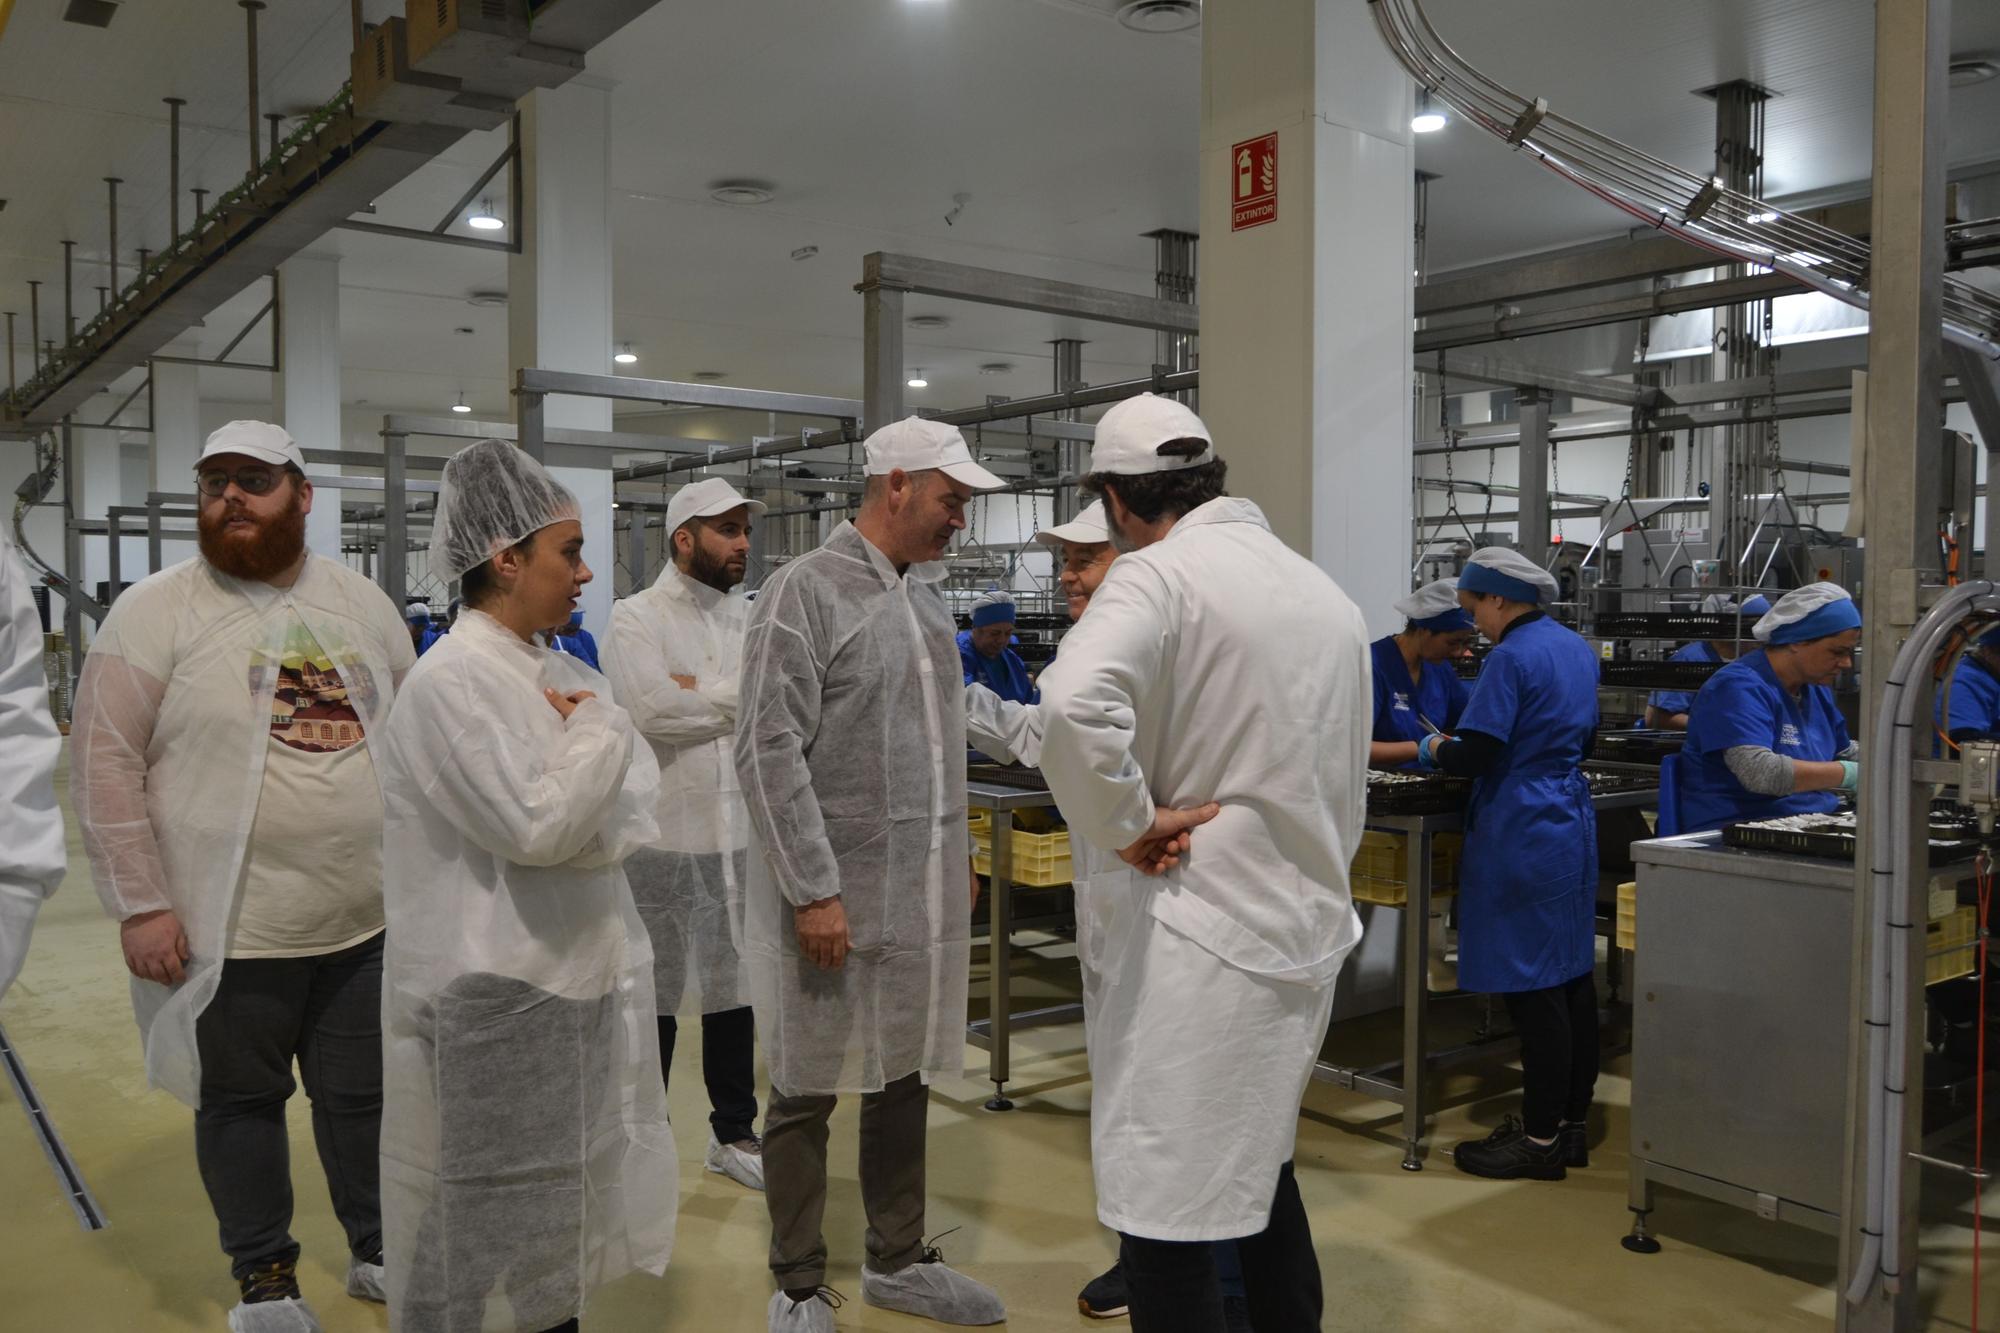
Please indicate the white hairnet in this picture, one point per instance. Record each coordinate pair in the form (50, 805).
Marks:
(493, 497)
(1433, 599)
(1811, 612)
(1501, 570)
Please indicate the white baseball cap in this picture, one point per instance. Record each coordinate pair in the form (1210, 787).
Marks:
(417, 611)
(1086, 529)
(254, 439)
(1129, 437)
(705, 499)
(917, 445)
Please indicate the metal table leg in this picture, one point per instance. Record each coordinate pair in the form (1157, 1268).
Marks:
(999, 948)
(1416, 995)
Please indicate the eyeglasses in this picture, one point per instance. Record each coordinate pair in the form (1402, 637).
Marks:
(249, 480)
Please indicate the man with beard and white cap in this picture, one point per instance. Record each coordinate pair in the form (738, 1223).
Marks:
(673, 659)
(849, 746)
(1209, 989)
(225, 781)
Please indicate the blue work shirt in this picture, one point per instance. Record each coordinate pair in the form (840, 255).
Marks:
(1743, 704)
(1975, 702)
(1005, 675)
(576, 641)
(1680, 701)
(1402, 705)
(1528, 879)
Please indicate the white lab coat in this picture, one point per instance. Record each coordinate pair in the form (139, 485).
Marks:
(511, 931)
(32, 852)
(683, 881)
(171, 727)
(1217, 665)
(850, 751)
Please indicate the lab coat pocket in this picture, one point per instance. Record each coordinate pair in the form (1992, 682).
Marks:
(1109, 918)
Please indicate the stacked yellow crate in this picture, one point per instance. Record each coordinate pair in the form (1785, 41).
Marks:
(1381, 869)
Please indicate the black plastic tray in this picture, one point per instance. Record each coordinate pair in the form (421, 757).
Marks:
(1418, 794)
(1615, 783)
(1639, 747)
(1670, 625)
(1952, 838)
(1658, 675)
(1007, 775)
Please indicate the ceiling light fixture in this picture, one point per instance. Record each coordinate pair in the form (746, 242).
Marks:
(804, 252)
(711, 376)
(625, 356)
(460, 406)
(1429, 118)
(485, 219)
(1968, 70)
(929, 321)
(997, 368)
(487, 298)
(917, 381)
(741, 194)
(1160, 16)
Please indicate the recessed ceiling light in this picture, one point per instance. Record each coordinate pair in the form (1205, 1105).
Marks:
(1160, 16)
(625, 356)
(741, 193)
(1430, 118)
(711, 376)
(485, 219)
(1967, 70)
(487, 298)
(804, 252)
(997, 368)
(929, 321)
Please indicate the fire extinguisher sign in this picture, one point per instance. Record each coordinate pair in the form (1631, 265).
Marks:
(1253, 182)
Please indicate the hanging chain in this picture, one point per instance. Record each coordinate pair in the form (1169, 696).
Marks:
(1640, 414)
(1771, 426)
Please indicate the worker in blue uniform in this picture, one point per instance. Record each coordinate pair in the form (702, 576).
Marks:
(985, 652)
(1969, 708)
(1417, 693)
(576, 641)
(1668, 709)
(1765, 737)
(1528, 877)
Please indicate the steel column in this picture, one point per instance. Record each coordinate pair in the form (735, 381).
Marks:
(250, 8)
(1532, 532)
(635, 552)
(1904, 420)
(174, 105)
(72, 560)
(35, 322)
(1069, 453)
(393, 566)
(529, 412)
(111, 184)
(882, 357)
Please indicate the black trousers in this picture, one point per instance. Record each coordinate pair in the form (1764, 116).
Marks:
(728, 1067)
(1558, 1031)
(1173, 1287)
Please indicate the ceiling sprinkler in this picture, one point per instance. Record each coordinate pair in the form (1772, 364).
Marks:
(958, 203)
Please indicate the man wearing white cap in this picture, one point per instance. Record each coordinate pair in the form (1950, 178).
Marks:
(857, 905)
(225, 781)
(1248, 802)
(422, 636)
(673, 659)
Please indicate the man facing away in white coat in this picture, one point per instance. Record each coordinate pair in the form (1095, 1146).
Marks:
(32, 853)
(1183, 729)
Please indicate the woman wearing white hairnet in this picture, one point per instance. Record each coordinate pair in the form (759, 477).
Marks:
(1765, 736)
(526, 1154)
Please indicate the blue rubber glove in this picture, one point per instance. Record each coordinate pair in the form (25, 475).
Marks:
(1850, 775)
(1427, 753)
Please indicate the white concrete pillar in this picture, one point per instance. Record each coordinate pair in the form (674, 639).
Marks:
(177, 433)
(1305, 317)
(308, 394)
(559, 289)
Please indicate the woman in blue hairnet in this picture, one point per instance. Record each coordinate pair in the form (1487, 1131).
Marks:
(1528, 879)
(1668, 709)
(1417, 694)
(985, 654)
(1970, 710)
(1765, 737)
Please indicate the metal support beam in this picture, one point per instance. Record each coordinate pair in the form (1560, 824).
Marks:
(174, 105)
(392, 567)
(674, 393)
(437, 237)
(931, 277)
(635, 552)
(1532, 533)
(1666, 301)
(1069, 378)
(881, 355)
(1513, 374)
(250, 8)
(1904, 418)
(530, 414)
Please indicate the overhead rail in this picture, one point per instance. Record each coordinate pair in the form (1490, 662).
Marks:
(1695, 208)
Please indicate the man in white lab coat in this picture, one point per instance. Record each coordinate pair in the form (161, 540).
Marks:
(1184, 731)
(32, 855)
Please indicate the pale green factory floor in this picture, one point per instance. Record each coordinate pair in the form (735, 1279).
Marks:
(1430, 1251)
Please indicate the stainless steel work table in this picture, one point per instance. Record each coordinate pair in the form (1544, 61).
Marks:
(995, 1031)
(1395, 1082)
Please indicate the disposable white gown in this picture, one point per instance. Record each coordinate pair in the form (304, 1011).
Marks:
(526, 1153)
(32, 854)
(171, 726)
(683, 881)
(850, 750)
(1182, 685)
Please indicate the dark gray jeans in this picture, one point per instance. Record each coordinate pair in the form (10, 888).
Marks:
(325, 1012)
(892, 1179)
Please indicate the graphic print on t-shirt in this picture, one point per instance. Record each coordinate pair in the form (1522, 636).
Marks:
(311, 710)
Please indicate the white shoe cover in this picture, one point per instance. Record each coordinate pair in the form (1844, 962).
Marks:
(789, 1316)
(367, 1282)
(745, 1168)
(289, 1316)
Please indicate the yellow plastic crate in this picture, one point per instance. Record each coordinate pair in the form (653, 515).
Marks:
(980, 821)
(1380, 873)
(1951, 946)
(1628, 897)
(1040, 859)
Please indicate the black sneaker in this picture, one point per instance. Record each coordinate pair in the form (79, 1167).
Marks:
(1103, 1297)
(1576, 1150)
(275, 1281)
(1509, 1154)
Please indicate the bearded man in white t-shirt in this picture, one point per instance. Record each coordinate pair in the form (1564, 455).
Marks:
(228, 798)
